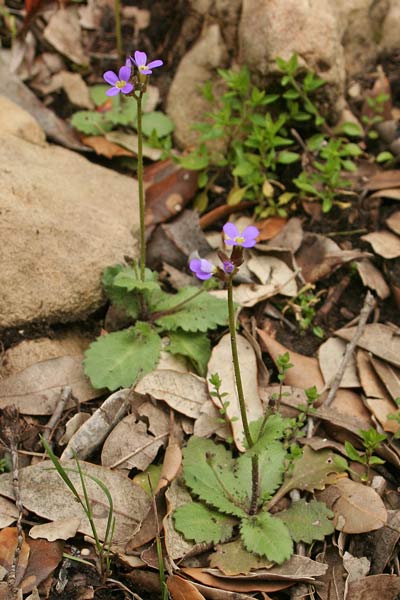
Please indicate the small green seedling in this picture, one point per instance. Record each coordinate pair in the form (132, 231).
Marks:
(102, 548)
(302, 306)
(371, 440)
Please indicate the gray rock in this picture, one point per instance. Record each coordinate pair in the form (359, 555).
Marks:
(62, 221)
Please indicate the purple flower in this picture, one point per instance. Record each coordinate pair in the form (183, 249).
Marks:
(228, 266)
(120, 82)
(202, 268)
(140, 61)
(246, 239)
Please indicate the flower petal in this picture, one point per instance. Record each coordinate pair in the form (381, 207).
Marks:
(154, 64)
(206, 266)
(124, 73)
(110, 77)
(146, 71)
(250, 233)
(114, 91)
(127, 88)
(140, 58)
(194, 264)
(203, 276)
(248, 243)
(230, 230)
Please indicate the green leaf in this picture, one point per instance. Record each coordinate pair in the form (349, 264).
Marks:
(384, 157)
(195, 161)
(98, 93)
(233, 559)
(271, 466)
(129, 279)
(351, 129)
(286, 158)
(196, 346)
(308, 521)
(267, 536)
(200, 314)
(208, 470)
(351, 452)
(312, 471)
(352, 149)
(118, 359)
(158, 122)
(120, 296)
(90, 122)
(202, 524)
(123, 112)
(273, 429)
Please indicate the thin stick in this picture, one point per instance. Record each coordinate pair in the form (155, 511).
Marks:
(66, 394)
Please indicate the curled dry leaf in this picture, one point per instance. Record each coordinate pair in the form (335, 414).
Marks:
(357, 507)
(36, 390)
(381, 340)
(103, 147)
(182, 589)
(297, 568)
(130, 501)
(270, 228)
(72, 426)
(393, 222)
(183, 392)
(64, 33)
(8, 512)
(373, 278)
(330, 355)
(221, 363)
(95, 429)
(130, 439)
(62, 529)
(214, 578)
(290, 237)
(384, 243)
(274, 272)
(319, 256)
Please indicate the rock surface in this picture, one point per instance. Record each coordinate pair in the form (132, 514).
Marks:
(63, 220)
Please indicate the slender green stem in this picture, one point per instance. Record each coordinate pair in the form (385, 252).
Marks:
(236, 367)
(118, 33)
(140, 182)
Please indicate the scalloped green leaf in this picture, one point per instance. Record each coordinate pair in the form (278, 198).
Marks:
(267, 536)
(118, 359)
(200, 314)
(208, 470)
(308, 521)
(128, 278)
(91, 122)
(158, 122)
(195, 346)
(271, 467)
(197, 522)
(118, 295)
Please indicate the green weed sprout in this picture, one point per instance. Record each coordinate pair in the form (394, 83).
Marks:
(102, 548)
(371, 440)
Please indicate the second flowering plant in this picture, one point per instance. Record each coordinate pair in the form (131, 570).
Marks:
(178, 322)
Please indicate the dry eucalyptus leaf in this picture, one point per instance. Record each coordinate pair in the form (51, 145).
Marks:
(319, 256)
(184, 392)
(62, 529)
(357, 507)
(384, 180)
(176, 545)
(393, 222)
(373, 278)
(72, 426)
(233, 559)
(210, 422)
(290, 237)
(44, 558)
(182, 589)
(297, 568)
(214, 578)
(330, 355)
(129, 141)
(249, 294)
(44, 493)
(221, 363)
(381, 408)
(156, 415)
(128, 437)
(36, 390)
(356, 567)
(377, 338)
(272, 271)
(389, 375)
(8, 512)
(371, 588)
(95, 429)
(370, 382)
(74, 86)
(64, 33)
(334, 578)
(384, 243)
(103, 147)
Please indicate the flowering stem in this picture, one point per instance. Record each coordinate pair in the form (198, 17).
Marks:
(242, 404)
(140, 182)
(118, 35)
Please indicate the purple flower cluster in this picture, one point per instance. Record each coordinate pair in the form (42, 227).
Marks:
(204, 269)
(121, 83)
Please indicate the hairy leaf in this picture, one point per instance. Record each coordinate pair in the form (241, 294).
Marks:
(118, 295)
(271, 466)
(158, 122)
(209, 472)
(202, 524)
(267, 536)
(308, 521)
(273, 430)
(196, 346)
(90, 122)
(200, 314)
(118, 359)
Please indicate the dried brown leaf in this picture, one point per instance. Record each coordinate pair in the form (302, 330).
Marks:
(297, 568)
(64, 33)
(393, 222)
(182, 589)
(384, 180)
(273, 272)
(44, 558)
(373, 278)
(377, 338)
(221, 363)
(8, 512)
(103, 147)
(270, 228)
(357, 507)
(384, 243)
(62, 529)
(330, 355)
(371, 588)
(290, 237)
(234, 584)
